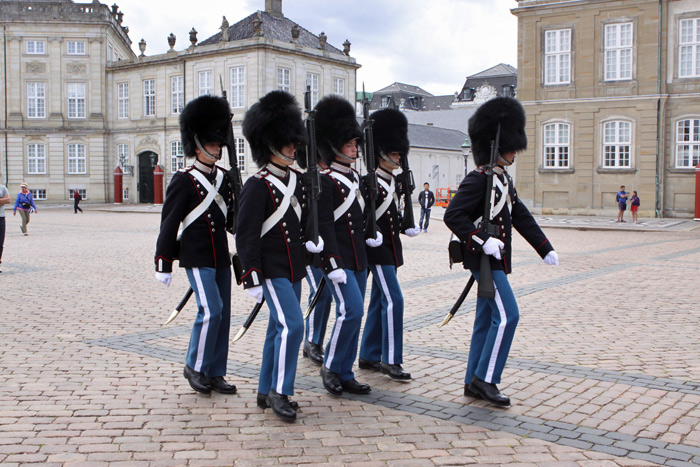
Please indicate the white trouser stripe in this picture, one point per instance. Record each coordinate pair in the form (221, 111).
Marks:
(338, 325)
(314, 287)
(389, 313)
(283, 345)
(499, 335)
(205, 321)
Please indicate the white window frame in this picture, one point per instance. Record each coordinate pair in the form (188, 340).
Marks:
(618, 48)
(39, 194)
(206, 82)
(125, 193)
(177, 94)
(556, 145)
(123, 156)
(177, 157)
(240, 154)
(616, 136)
(122, 100)
(76, 95)
(237, 87)
(35, 47)
(36, 158)
(557, 56)
(689, 48)
(149, 97)
(75, 48)
(82, 191)
(77, 158)
(284, 79)
(385, 102)
(688, 142)
(339, 86)
(36, 99)
(312, 80)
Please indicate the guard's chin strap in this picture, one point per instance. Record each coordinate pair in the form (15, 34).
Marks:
(201, 148)
(280, 155)
(342, 156)
(387, 159)
(502, 161)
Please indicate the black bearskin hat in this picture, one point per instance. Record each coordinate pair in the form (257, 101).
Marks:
(484, 124)
(274, 121)
(208, 117)
(390, 133)
(336, 124)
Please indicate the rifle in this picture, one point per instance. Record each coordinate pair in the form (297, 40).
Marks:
(312, 175)
(371, 178)
(486, 288)
(406, 186)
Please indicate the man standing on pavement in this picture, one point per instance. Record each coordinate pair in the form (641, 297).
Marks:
(4, 199)
(426, 199)
(621, 203)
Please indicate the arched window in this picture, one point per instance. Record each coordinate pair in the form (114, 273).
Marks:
(617, 144)
(688, 143)
(557, 149)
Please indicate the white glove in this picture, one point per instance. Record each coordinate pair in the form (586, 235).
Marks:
(337, 276)
(312, 247)
(375, 242)
(164, 277)
(413, 232)
(256, 292)
(493, 247)
(552, 258)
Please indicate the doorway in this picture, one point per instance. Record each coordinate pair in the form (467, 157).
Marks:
(147, 162)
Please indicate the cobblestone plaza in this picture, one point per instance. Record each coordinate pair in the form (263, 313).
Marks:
(604, 369)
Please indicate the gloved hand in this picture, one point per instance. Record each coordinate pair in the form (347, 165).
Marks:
(256, 292)
(375, 242)
(337, 276)
(312, 247)
(552, 258)
(493, 247)
(413, 232)
(164, 277)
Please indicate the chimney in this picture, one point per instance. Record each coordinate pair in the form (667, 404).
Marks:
(274, 7)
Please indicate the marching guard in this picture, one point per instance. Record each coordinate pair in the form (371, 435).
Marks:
(496, 318)
(198, 209)
(382, 340)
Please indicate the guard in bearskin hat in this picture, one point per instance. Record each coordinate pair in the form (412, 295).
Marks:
(270, 241)
(382, 340)
(341, 224)
(496, 319)
(197, 209)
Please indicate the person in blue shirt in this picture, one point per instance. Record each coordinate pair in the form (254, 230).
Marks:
(25, 205)
(621, 203)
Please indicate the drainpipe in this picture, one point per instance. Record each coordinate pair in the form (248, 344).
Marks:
(659, 165)
(4, 61)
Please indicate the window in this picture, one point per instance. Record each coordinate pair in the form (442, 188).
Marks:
(206, 82)
(240, 152)
(110, 53)
(177, 159)
(557, 56)
(38, 194)
(177, 95)
(618, 51)
(123, 156)
(284, 80)
(36, 47)
(76, 47)
(36, 100)
(386, 100)
(149, 97)
(689, 48)
(339, 86)
(237, 98)
(77, 162)
(556, 145)
(688, 143)
(125, 193)
(123, 100)
(76, 100)
(617, 142)
(82, 191)
(36, 159)
(312, 82)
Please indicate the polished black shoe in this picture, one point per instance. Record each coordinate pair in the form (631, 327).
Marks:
(219, 384)
(469, 393)
(395, 371)
(489, 392)
(353, 387)
(368, 365)
(313, 352)
(281, 406)
(331, 381)
(197, 380)
(262, 402)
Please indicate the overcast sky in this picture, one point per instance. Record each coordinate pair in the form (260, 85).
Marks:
(434, 44)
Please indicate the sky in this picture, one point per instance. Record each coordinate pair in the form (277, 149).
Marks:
(434, 44)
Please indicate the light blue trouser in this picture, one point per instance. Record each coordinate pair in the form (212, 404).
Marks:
(424, 213)
(341, 350)
(208, 349)
(285, 331)
(317, 321)
(382, 338)
(494, 328)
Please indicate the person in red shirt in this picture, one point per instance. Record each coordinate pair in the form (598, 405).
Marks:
(76, 198)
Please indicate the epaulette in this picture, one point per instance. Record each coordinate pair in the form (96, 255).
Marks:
(324, 171)
(262, 173)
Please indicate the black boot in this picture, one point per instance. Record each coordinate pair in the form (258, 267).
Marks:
(219, 384)
(395, 371)
(281, 407)
(313, 352)
(197, 380)
(489, 392)
(368, 365)
(262, 402)
(469, 393)
(353, 387)
(331, 381)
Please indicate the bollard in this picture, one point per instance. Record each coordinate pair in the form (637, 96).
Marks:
(158, 185)
(118, 191)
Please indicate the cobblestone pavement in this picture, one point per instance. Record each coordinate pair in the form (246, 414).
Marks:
(604, 370)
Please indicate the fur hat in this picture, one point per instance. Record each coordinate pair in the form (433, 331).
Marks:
(275, 120)
(390, 132)
(336, 124)
(484, 124)
(208, 117)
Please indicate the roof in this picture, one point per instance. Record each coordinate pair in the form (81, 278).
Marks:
(401, 87)
(424, 136)
(454, 119)
(501, 69)
(438, 102)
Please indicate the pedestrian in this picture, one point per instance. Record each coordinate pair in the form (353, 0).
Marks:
(621, 203)
(382, 339)
(426, 199)
(197, 211)
(76, 198)
(4, 199)
(270, 242)
(25, 205)
(496, 318)
(634, 206)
